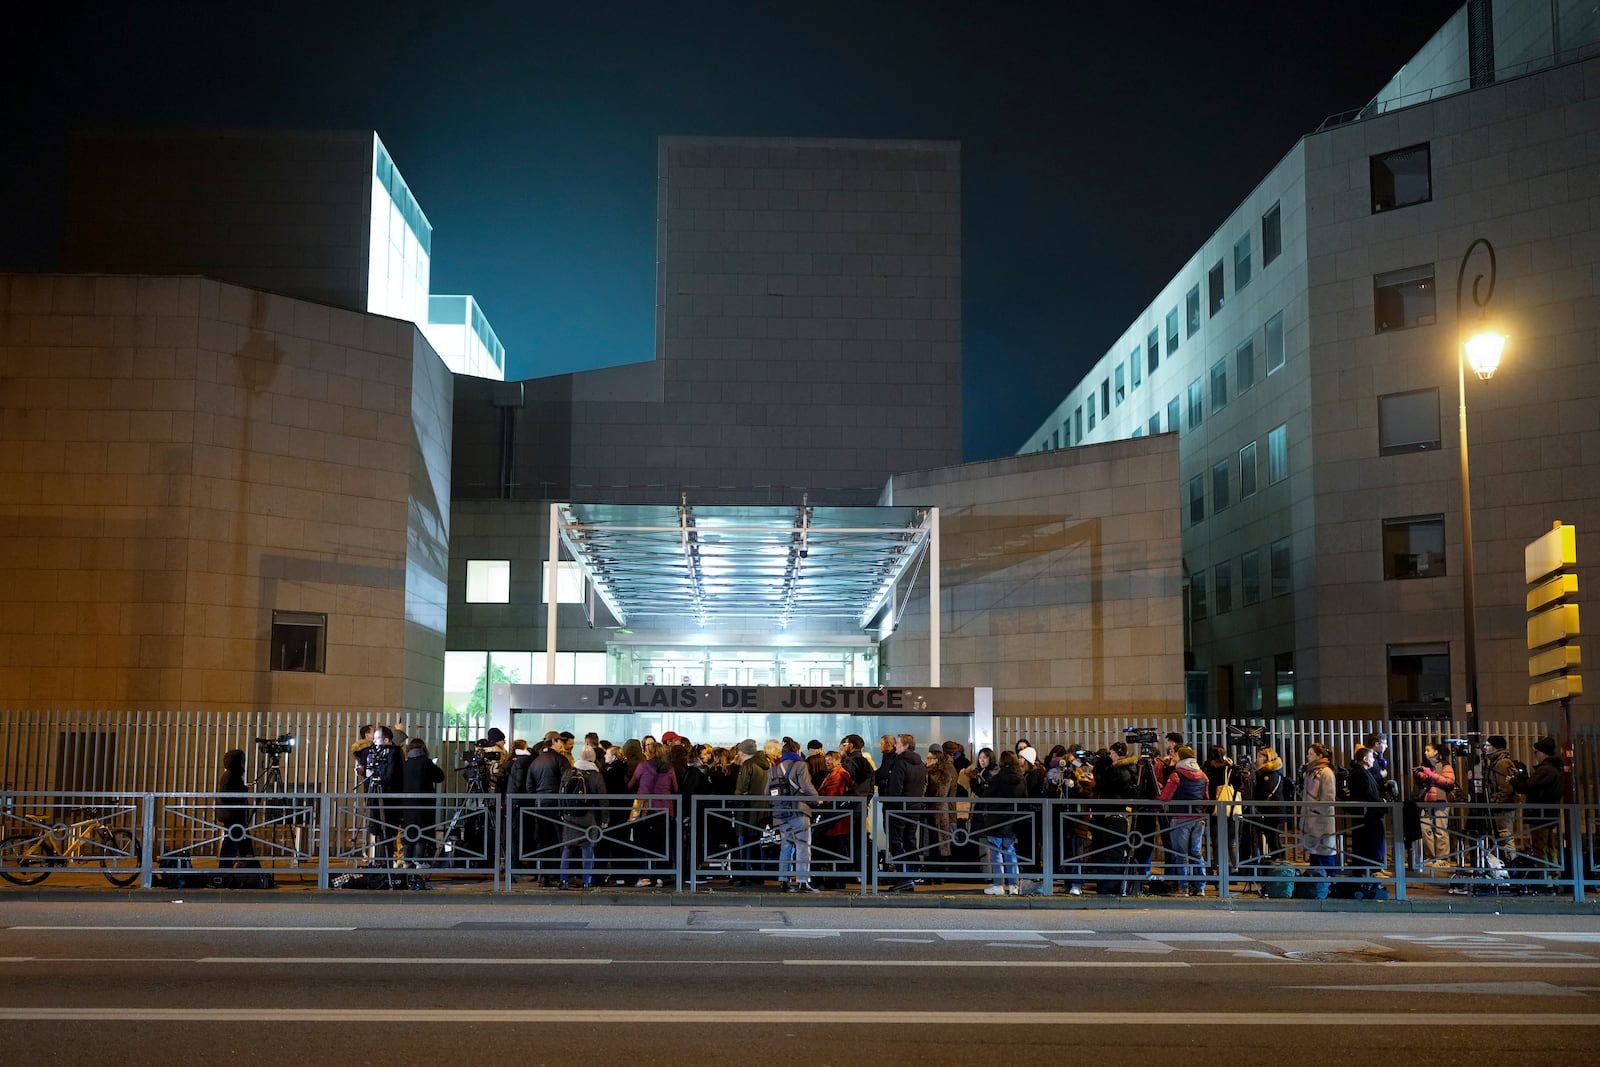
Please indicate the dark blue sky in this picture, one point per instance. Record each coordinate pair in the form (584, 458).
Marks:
(1099, 150)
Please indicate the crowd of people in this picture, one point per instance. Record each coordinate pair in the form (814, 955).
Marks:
(593, 800)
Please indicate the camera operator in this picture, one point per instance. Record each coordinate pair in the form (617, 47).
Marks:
(1499, 783)
(233, 815)
(383, 775)
(419, 775)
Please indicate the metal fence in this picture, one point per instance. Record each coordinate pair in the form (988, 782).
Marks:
(1112, 847)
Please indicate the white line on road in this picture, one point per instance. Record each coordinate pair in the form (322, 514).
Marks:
(204, 929)
(1514, 989)
(495, 961)
(588, 1017)
(984, 963)
(906, 930)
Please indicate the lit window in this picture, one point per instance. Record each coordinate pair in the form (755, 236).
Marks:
(1271, 235)
(1413, 548)
(1401, 178)
(569, 582)
(488, 581)
(1253, 691)
(1241, 263)
(1278, 454)
(1247, 471)
(1408, 422)
(1275, 343)
(1403, 298)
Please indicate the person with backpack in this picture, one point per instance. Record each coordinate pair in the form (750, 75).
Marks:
(789, 786)
(583, 788)
(1436, 787)
(1271, 789)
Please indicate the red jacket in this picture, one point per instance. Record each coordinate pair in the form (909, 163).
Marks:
(1186, 782)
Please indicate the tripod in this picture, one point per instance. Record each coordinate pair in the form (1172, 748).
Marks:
(477, 786)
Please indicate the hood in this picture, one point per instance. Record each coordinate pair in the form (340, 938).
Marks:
(1190, 765)
(790, 757)
(584, 765)
(1273, 764)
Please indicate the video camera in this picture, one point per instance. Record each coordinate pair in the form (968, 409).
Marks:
(1141, 735)
(281, 745)
(1469, 742)
(1243, 736)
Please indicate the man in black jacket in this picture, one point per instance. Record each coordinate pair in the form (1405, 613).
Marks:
(908, 779)
(1546, 788)
(545, 773)
(1367, 832)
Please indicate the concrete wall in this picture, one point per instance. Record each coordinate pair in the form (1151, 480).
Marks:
(180, 457)
(284, 211)
(809, 337)
(1062, 584)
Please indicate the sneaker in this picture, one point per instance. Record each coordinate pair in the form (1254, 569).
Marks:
(996, 891)
(643, 883)
(1074, 891)
(806, 887)
(1014, 890)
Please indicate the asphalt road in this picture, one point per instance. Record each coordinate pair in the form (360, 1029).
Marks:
(356, 982)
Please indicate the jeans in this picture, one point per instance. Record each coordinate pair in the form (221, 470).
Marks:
(794, 849)
(1184, 856)
(587, 849)
(1003, 859)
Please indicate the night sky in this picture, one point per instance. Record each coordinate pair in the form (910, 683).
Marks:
(1098, 150)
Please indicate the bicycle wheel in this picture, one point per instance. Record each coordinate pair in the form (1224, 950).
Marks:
(33, 853)
(120, 864)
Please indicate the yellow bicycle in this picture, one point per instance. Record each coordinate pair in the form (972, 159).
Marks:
(34, 855)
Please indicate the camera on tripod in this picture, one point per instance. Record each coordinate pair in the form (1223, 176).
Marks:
(1141, 735)
(281, 745)
(1467, 743)
(1248, 737)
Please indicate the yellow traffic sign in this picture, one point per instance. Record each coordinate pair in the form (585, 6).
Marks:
(1560, 688)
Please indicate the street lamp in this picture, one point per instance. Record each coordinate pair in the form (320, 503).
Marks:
(1483, 349)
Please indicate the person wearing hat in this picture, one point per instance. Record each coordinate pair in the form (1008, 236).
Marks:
(1501, 776)
(1546, 788)
(1186, 782)
(754, 767)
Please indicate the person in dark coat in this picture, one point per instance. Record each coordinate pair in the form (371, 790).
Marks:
(1546, 788)
(583, 808)
(996, 822)
(1367, 849)
(908, 779)
(233, 815)
(539, 825)
(418, 775)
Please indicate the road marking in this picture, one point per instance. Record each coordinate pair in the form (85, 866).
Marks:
(990, 935)
(588, 1017)
(983, 963)
(906, 940)
(1194, 937)
(971, 934)
(499, 961)
(1590, 937)
(204, 929)
(1513, 989)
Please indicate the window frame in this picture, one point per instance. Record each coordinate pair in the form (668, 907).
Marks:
(1250, 578)
(496, 573)
(1172, 334)
(1252, 468)
(1196, 399)
(1219, 385)
(1244, 360)
(1242, 272)
(1394, 285)
(1221, 490)
(1280, 572)
(1278, 453)
(1191, 307)
(1216, 289)
(1393, 571)
(1271, 234)
(1274, 327)
(1222, 587)
(1402, 447)
(1393, 202)
(1197, 500)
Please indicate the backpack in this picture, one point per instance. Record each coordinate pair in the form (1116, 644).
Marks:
(778, 783)
(574, 790)
(1513, 772)
(1341, 783)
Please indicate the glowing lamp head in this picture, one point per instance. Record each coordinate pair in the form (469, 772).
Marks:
(1483, 352)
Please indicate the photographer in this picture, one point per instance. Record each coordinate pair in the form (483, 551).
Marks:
(233, 816)
(1367, 845)
(1436, 785)
(418, 775)
(382, 766)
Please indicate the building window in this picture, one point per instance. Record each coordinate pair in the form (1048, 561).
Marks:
(1091, 412)
(1172, 415)
(1055, 439)
(1077, 423)
(1271, 235)
(1280, 565)
(1220, 497)
(1219, 385)
(488, 581)
(1413, 547)
(1197, 596)
(1155, 423)
(1408, 422)
(1278, 454)
(1252, 685)
(1283, 668)
(1244, 366)
(1275, 343)
(1191, 305)
(1152, 349)
(1222, 586)
(1138, 431)
(1196, 399)
(1403, 298)
(1419, 681)
(1122, 390)
(1197, 499)
(1247, 471)
(1214, 284)
(1250, 577)
(1172, 334)
(569, 582)
(1135, 370)
(1105, 397)
(1066, 432)
(299, 642)
(1241, 263)
(1401, 178)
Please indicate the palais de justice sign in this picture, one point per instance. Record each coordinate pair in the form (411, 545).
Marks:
(779, 699)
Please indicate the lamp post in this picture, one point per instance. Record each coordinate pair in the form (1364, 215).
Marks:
(1483, 349)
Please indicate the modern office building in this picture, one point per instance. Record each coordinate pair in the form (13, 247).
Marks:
(1306, 360)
